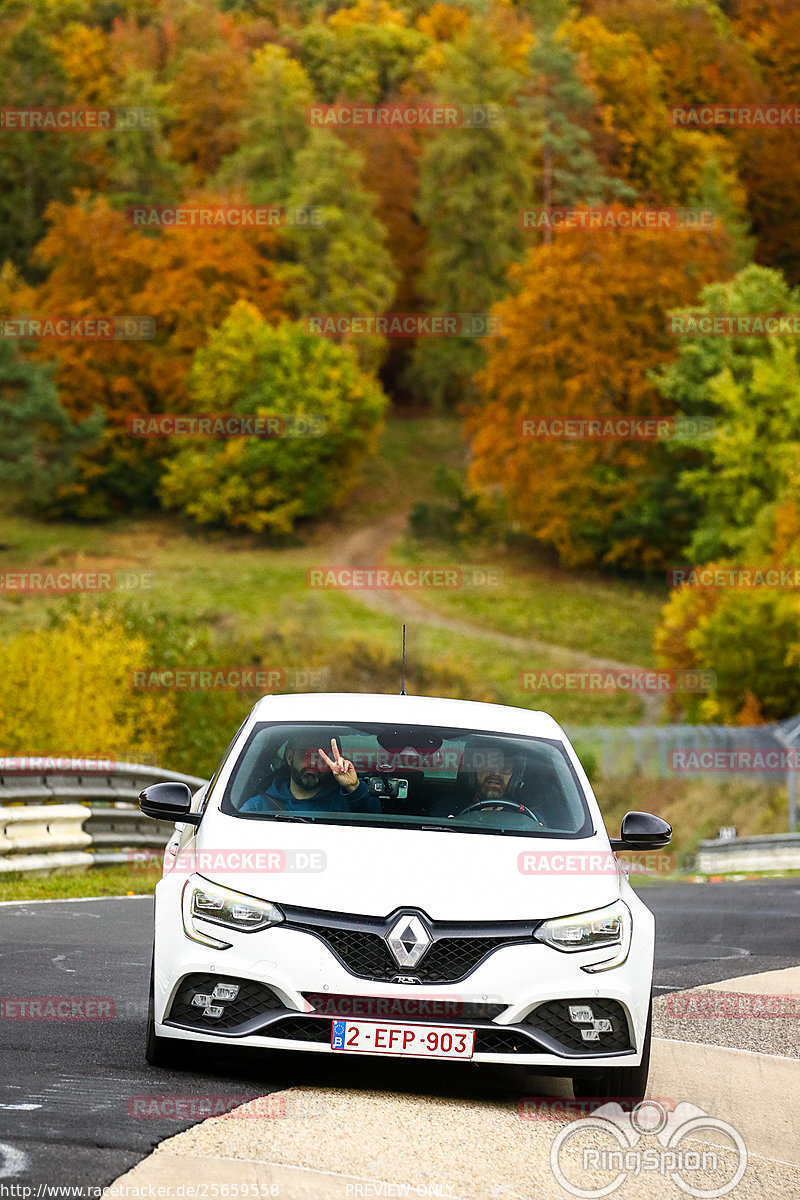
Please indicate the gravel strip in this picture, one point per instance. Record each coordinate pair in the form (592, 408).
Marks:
(730, 1019)
(374, 1144)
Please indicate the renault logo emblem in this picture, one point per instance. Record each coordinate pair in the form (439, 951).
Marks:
(408, 940)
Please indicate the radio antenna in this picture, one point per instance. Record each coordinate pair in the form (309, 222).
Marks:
(403, 683)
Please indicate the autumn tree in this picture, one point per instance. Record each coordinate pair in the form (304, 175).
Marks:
(332, 411)
(363, 52)
(273, 130)
(208, 97)
(340, 264)
(79, 671)
(185, 279)
(474, 180)
(748, 639)
(584, 325)
(663, 162)
(770, 165)
(749, 388)
(700, 59)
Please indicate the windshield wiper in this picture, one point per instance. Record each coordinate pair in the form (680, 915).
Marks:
(283, 816)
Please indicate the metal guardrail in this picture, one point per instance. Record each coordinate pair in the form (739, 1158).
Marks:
(767, 755)
(59, 814)
(766, 852)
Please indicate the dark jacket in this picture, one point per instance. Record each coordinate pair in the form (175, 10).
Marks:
(330, 798)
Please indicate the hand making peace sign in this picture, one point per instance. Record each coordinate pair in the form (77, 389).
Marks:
(343, 770)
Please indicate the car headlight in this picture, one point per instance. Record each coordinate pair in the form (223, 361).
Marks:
(206, 901)
(610, 926)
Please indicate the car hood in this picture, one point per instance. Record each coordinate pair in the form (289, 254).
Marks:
(373, 871)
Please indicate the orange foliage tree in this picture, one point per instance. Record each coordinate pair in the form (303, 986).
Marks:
(585, 323)
(769, 156)
(186, 279)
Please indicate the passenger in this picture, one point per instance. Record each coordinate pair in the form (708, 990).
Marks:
(301, 785)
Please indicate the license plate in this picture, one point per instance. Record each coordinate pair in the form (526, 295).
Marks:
(421, 1041)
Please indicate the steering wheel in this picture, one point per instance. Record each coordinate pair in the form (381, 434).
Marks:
(492, 804)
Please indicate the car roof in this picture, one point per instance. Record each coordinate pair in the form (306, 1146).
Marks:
(361, 707)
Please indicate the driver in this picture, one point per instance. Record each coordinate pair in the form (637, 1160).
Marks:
(490, 777)
(493, 777)
(302, 784)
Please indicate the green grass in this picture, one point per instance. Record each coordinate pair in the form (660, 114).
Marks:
(242, 589)
(98, 881)
(603, 617)
(696, 809)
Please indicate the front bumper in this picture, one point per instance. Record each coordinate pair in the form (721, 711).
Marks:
(292, 985)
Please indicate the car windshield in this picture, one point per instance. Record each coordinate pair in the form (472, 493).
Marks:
(408, 776)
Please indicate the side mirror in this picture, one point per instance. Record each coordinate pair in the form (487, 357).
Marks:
(169, 802)
(642, 831)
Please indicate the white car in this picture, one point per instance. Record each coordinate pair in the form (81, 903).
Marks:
(407, 876)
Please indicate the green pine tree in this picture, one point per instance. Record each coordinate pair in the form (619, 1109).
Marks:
(36, 167)
(474, 180)
(274, 130)
(341, 264)
(559, 101)
(39, 442)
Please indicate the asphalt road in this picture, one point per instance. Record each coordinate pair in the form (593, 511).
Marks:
(66, 1086)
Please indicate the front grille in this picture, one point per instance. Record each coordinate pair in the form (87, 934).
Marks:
(254, 1000)
(448, 959)
(451, 958)
(554, 1020)
(362, 953)
(405, 1009)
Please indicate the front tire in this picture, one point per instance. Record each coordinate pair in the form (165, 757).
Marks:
(614, 1083)
(159, 1051)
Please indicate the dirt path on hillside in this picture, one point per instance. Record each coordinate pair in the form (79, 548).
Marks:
(366, 547)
